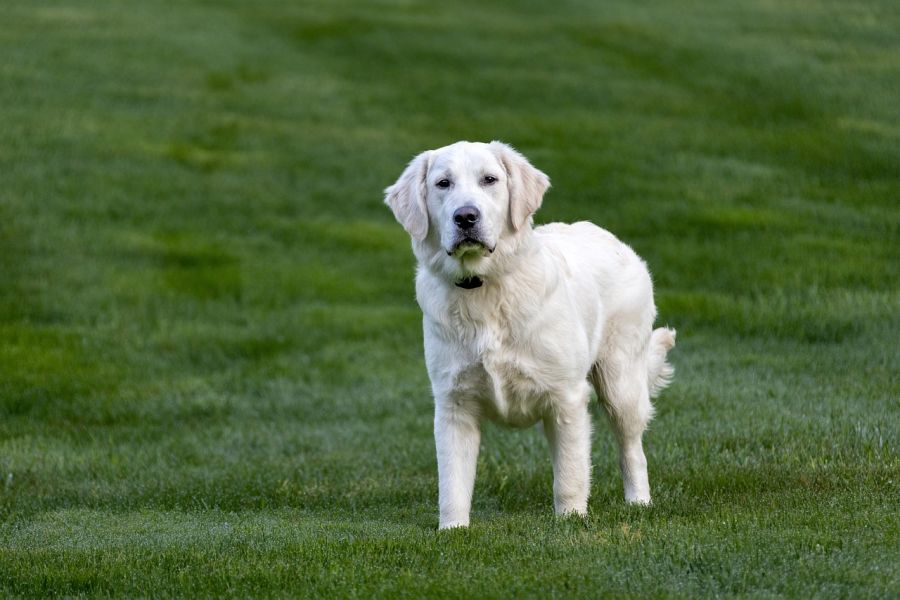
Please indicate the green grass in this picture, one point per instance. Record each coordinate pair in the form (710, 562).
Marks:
(211, 376)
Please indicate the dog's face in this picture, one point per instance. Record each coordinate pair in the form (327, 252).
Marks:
(466, 204)
(467, 200)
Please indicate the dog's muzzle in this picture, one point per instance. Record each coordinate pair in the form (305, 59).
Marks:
(469, 245)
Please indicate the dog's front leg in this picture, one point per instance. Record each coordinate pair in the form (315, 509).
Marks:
(457, 436)
(568, 429)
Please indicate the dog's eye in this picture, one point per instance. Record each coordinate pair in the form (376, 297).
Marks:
(489, 180)
(443, 184)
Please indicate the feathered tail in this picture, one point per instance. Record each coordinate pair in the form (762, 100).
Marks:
(661, 372)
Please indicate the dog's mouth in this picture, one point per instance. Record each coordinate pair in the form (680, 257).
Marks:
(470, 246)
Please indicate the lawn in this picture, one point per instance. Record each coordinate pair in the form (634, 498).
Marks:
(211, 374)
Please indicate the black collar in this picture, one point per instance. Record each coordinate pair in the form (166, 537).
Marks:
(470, 283)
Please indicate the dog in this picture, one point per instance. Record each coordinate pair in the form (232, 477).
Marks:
(520, 321)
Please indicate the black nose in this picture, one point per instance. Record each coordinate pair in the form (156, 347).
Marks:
(466, 216)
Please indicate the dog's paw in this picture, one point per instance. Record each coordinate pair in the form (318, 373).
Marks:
(639, 500)
(578, 510)
(453, 524)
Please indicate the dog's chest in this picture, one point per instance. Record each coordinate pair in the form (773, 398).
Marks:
(510, 383)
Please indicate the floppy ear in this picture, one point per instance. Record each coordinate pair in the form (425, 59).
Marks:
(407, 197)
(526, 184)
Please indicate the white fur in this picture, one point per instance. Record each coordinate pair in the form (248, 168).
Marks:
(560, 306)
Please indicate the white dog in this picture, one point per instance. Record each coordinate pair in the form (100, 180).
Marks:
(518, 320)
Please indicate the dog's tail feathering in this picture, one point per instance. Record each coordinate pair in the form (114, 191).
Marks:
(660, 372)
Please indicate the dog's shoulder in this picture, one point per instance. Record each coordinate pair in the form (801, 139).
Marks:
(580, 231)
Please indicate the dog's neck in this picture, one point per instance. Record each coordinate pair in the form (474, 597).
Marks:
(469, 283)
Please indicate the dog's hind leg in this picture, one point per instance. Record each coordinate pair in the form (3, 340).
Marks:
(621, 382)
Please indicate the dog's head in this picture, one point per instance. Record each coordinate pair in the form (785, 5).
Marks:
(467, 205)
